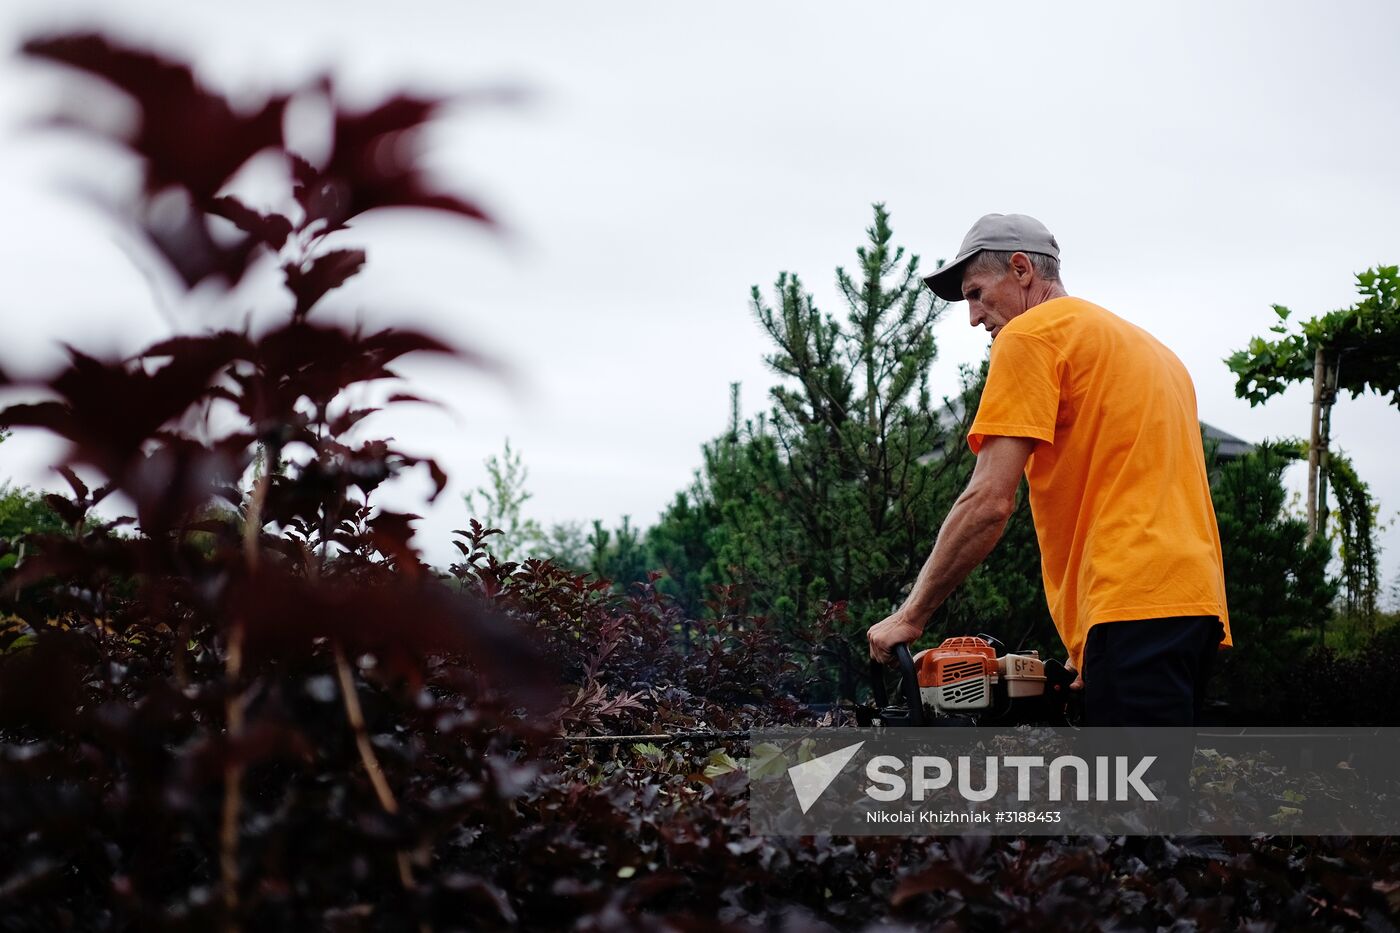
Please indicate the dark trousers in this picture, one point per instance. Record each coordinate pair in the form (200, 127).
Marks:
(1149, 672)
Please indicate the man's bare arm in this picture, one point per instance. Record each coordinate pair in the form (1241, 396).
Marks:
(970, 531)
(974, 524)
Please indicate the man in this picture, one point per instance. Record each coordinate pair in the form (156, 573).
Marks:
(1101, 419)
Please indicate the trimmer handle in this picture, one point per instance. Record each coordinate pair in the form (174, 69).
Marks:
(1057, 682)
(909, 684)
(1057, 675)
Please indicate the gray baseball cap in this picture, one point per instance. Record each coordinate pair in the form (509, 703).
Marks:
(1002, 232)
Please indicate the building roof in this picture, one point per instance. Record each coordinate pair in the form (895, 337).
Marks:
(1228, 447)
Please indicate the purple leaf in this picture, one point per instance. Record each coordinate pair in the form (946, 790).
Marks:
(187, 135)
(272, 229)
(327, 271)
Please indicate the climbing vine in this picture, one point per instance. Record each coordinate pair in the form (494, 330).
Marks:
(1355, 529)
(1356, 516)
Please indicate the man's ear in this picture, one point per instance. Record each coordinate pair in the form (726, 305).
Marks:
(1022, 268)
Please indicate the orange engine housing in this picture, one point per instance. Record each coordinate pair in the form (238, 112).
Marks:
(960, 658)
(963, 675)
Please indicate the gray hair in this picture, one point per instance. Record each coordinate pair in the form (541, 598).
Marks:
(1046, 267)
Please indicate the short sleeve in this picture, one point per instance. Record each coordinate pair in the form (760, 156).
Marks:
(1022, 394)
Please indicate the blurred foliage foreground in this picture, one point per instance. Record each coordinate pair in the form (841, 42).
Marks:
(251, 705)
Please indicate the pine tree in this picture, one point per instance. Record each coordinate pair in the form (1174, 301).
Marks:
(1276, 580)
(852, 418)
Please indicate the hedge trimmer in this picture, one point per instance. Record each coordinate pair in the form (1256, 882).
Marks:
(964, 682)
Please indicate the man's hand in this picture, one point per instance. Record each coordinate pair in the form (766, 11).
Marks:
(895, 630)
(1078, 677)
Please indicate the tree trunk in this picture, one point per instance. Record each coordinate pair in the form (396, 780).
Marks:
(1324, 443)
(1315, 443)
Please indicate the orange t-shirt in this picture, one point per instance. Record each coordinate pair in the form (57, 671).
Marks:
(1118, 484)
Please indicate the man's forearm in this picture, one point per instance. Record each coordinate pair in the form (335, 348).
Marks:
(971, 530)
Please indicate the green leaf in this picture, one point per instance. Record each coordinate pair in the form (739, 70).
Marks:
(719, 763)
(767, 760)
(24, 641)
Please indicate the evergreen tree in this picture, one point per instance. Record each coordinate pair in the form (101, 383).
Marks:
(1276, 580)
(618, 555)
(852, 418)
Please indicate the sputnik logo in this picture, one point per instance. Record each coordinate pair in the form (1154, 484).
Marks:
(811, 778)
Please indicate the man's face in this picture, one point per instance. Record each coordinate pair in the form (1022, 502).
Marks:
(994, 296)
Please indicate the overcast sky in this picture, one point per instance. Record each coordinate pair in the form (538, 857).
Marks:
(1197, 162)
